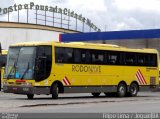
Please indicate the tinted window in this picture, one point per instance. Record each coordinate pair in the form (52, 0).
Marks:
(91, 56)
(59, 55)
(146, 59)
(97, 57)
(152, 60)
(44, 55)
(77, 56)
(113, 57)
(68, 55)
(130, 59)
(64, 55)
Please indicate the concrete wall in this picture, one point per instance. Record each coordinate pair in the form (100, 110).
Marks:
(138, 43)
(14, 35)
(11, 33)
(135, 43)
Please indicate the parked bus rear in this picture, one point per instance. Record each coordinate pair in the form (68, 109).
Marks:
(3, 60)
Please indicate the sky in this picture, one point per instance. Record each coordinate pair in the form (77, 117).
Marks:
(108, 15)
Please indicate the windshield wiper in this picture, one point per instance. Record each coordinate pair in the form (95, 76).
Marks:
(11, 70)
(25, 71)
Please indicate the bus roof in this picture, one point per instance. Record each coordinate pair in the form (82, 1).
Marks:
(87, 45)
(35, 43)
(105, 47)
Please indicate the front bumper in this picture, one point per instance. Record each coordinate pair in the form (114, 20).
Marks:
(26, 90)
(18, 89)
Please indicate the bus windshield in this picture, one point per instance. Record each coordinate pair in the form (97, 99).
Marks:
(20, 63)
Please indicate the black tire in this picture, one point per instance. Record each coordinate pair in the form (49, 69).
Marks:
(55, 91)
(30, 96)
(121, 90)
(133, 90)
(96, 94)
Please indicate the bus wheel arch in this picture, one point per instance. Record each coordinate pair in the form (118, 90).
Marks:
(56, 88)
(122, 89)
(133, 89)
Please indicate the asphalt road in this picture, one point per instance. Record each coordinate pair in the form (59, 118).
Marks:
(80, 103)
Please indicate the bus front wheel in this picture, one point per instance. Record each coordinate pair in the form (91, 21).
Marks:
(96, 94)
(121, 90)
(55, 91)
(30, 96)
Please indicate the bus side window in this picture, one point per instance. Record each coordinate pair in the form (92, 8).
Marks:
(68, 55)
(97, 57)
(88, 56)
(147, 60)
(113, 58)
(59, 55)
(141, 59)
(153, 60)
(130, 59)
(85, 56)
(77, 56)
(101, 58)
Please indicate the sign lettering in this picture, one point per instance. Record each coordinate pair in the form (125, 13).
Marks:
(86, 68)
(55, 9)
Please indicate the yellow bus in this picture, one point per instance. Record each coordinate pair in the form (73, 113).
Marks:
(3, 59)
(53, 68)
